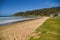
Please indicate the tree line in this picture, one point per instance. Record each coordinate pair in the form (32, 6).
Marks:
(41, 12)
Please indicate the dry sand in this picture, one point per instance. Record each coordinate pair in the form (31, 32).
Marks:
(20, 30)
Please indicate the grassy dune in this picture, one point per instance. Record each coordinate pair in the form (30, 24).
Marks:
(50, 30)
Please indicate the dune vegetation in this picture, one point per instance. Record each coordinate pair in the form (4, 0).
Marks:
(50, 30)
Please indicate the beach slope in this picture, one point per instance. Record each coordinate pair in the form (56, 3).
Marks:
(20, 30)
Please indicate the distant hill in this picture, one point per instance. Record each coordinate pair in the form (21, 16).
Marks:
(43, 12)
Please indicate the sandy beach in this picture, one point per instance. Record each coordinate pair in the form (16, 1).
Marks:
(20, 30)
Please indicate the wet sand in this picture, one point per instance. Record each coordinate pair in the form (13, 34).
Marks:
(20, 30)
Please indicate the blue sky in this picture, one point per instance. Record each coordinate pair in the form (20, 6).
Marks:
(9, 7)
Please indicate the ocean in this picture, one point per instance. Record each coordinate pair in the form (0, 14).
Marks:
(4, 20)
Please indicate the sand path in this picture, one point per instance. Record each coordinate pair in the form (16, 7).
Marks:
(20, 30)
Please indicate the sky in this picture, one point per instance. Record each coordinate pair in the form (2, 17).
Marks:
(9, 7)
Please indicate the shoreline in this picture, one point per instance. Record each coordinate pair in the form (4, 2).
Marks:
(12, 22)
(5, 26)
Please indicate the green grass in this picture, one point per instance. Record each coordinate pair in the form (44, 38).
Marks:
(50, 30)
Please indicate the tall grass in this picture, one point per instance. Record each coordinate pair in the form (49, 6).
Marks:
(50, 30)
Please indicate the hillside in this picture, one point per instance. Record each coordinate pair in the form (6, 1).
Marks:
(43, 12)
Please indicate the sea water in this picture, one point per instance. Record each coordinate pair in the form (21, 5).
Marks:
(4, 20)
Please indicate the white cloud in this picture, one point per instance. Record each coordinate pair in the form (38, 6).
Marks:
(52, 4)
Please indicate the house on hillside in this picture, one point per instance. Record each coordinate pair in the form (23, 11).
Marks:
(55, 14)
(58, 14)
(52, 15)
